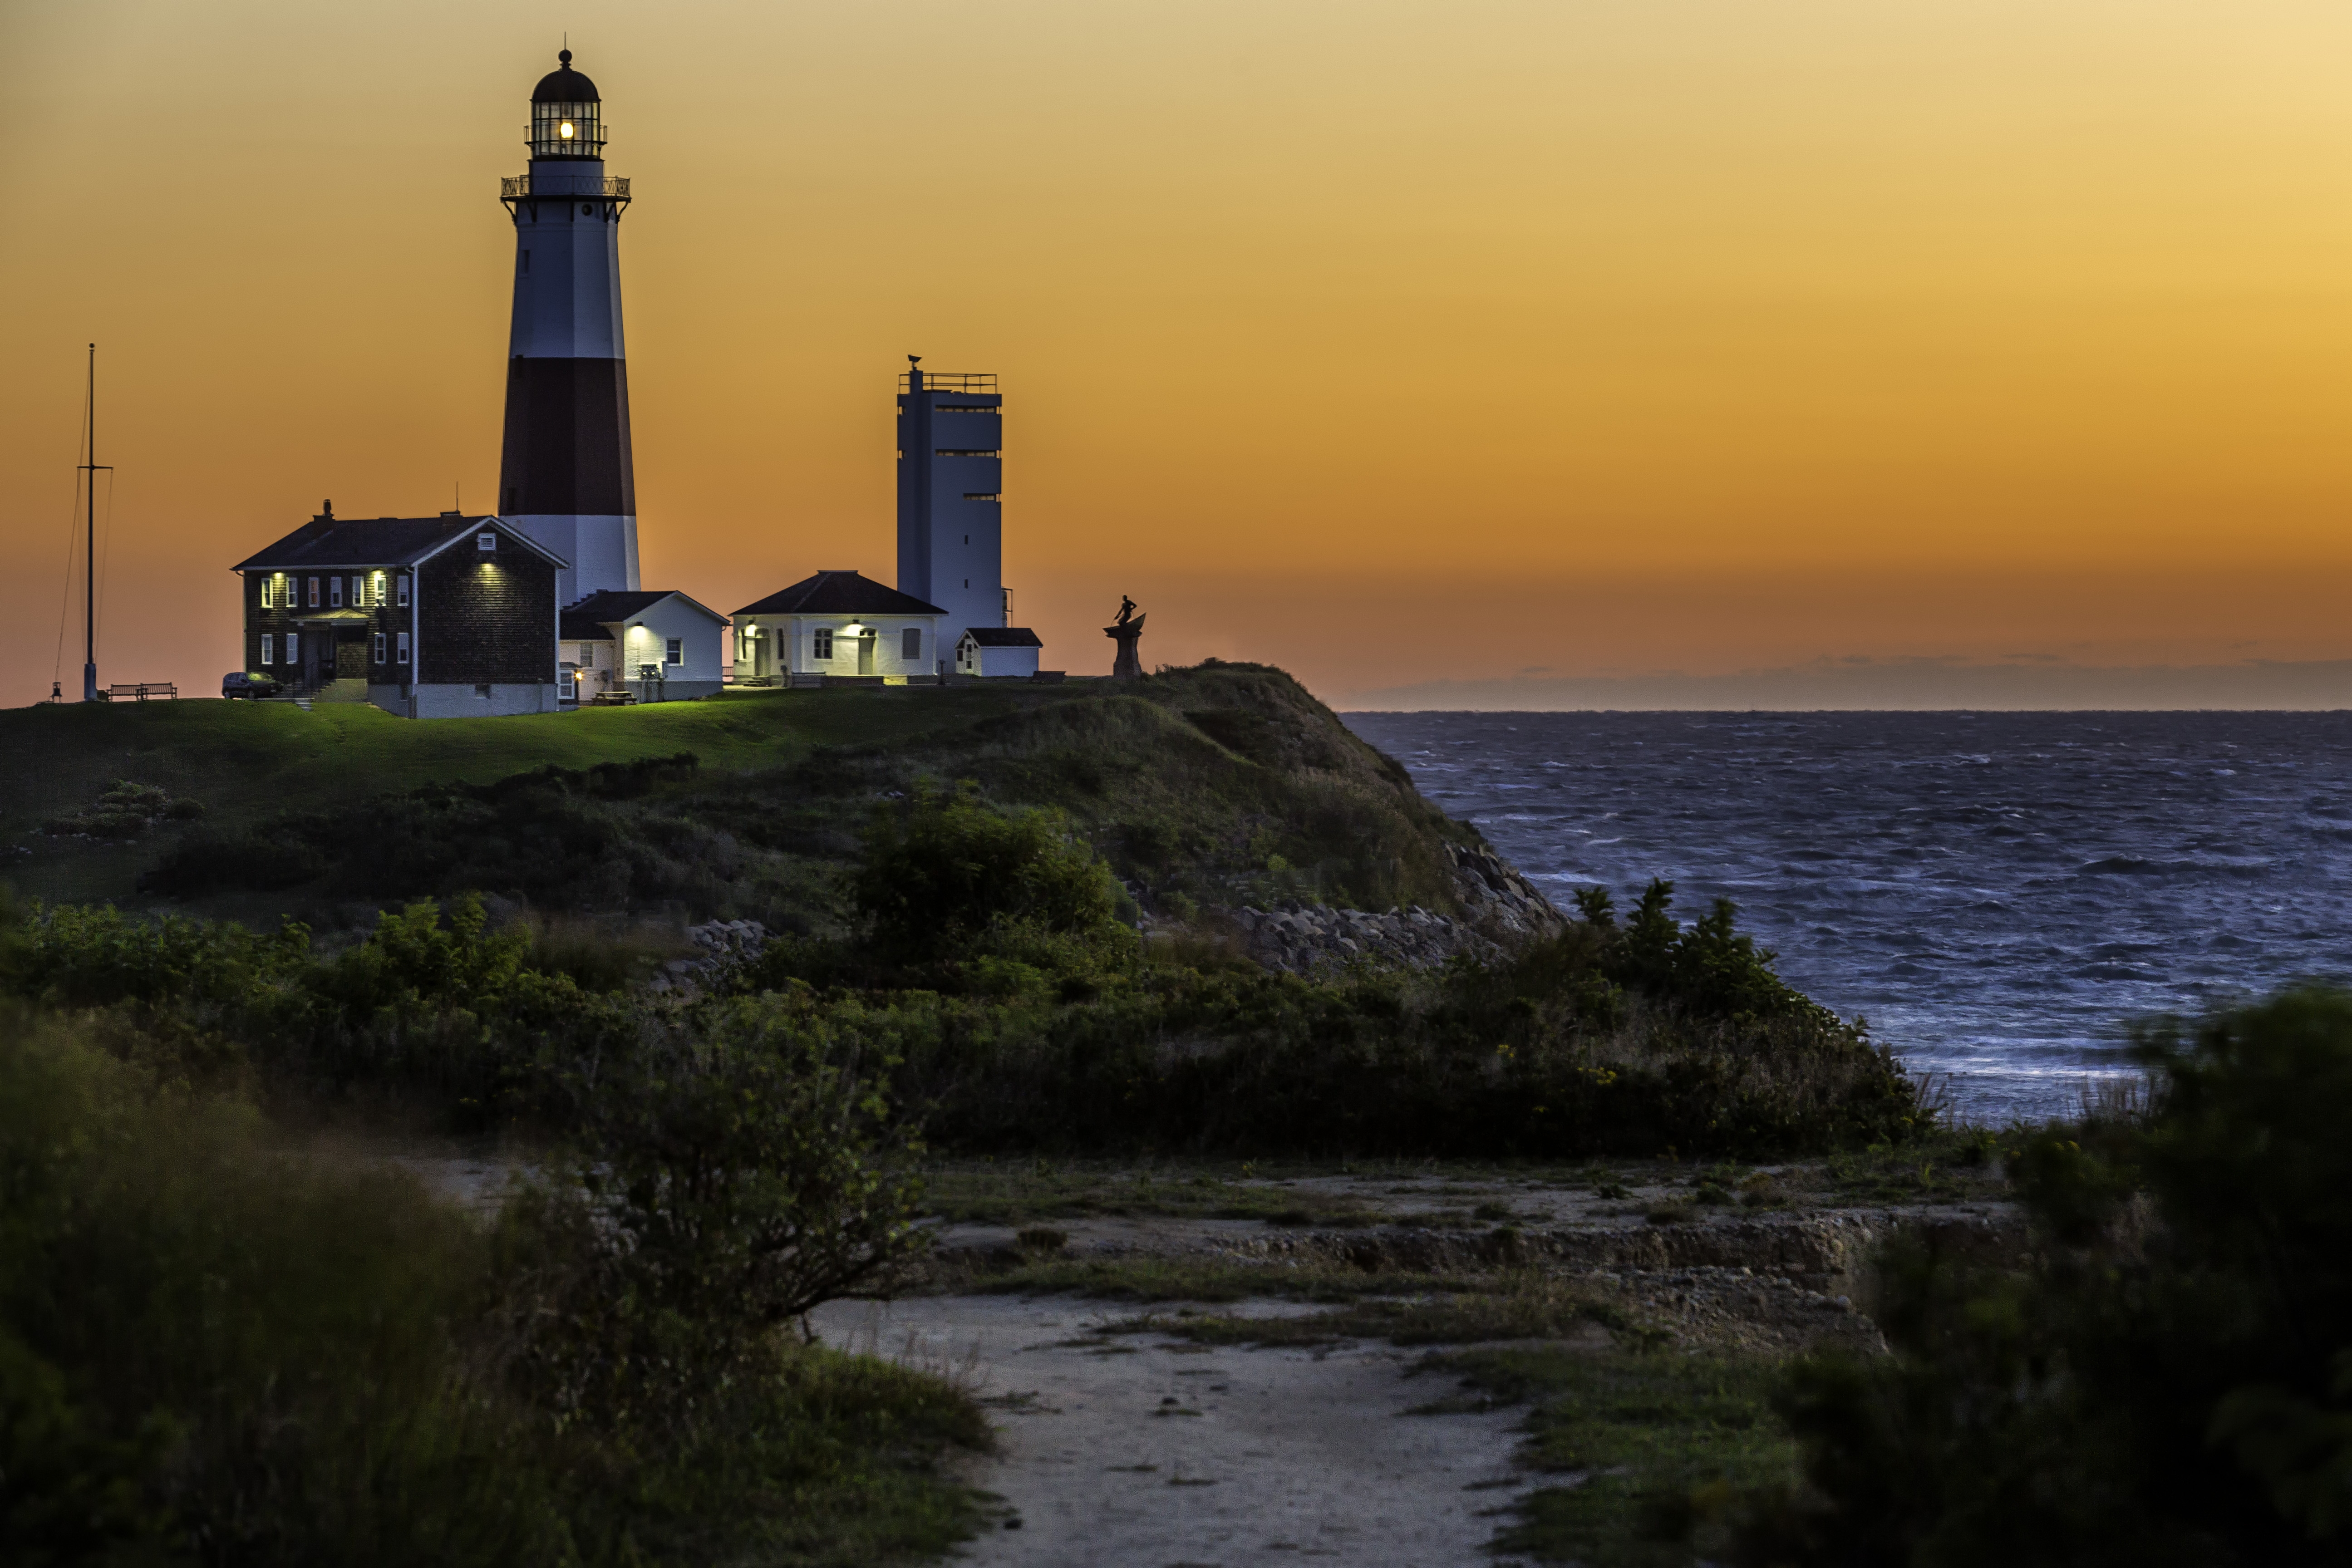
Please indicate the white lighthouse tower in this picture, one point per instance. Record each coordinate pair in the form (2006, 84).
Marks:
(565, 477)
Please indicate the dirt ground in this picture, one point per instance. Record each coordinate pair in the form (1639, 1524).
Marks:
(1149, 1452)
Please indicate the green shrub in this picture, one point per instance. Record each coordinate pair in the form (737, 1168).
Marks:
(2163, 1381)
(726, 1180)
(204, 1340)
(945, 867)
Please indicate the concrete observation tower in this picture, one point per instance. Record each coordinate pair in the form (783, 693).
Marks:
(565, 476)
(950, 505)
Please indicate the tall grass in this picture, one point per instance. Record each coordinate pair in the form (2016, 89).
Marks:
(215, 1349)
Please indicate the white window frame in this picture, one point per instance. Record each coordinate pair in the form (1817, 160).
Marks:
(293, 649)
(401, 644)
(314, 592)
(486, 540)
(821, 645)
(335, 591)
(379, 647)
(268, 648)
(674, 650)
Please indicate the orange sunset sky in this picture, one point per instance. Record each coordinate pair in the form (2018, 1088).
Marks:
(1473, 353)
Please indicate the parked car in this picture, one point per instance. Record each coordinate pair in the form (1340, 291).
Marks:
(243, 683)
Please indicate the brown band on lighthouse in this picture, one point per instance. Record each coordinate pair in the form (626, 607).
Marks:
(567, 440)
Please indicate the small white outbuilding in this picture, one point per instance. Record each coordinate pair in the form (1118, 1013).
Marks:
(991, 651)
(653, 646)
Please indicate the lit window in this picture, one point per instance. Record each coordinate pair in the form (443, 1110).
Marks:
(824, 643)
(486, 542)
(379, 647)
(314, 592)
(911, 646)
(674, 652)
(268, 648)
(401, 646)
(403, 593)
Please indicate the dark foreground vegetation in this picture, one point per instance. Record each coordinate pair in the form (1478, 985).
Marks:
(984, 959)
(2167, 1380)
(215, 1347)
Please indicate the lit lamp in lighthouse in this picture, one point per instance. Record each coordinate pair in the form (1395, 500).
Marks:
(567, 124)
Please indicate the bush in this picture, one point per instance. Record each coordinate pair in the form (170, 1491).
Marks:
(2165, 1381)
(947, 866)
(726, 1180)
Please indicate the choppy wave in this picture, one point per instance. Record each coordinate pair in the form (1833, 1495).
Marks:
(2000, 894)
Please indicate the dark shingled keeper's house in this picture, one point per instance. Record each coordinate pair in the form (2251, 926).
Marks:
(429, 618)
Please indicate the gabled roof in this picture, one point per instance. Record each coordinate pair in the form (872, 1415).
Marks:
(328, 540)
(617, 605)
(839, 594)
(1002, 636)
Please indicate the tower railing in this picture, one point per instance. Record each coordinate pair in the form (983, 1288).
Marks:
(945, 381)
(523, 187)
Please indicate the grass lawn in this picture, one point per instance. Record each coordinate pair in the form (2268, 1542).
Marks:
(244, 760)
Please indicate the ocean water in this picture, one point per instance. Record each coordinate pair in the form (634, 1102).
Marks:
(1999, 894)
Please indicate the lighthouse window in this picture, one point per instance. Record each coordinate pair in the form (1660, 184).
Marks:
(823, 643)
(268, 647)
(911, 646)
(526, 263)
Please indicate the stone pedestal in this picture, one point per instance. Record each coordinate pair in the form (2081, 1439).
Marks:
(1127, 634)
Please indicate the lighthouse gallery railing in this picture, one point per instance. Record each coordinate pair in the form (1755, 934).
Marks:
(521, 187)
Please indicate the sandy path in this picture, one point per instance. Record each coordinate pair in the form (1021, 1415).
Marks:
(1146, 1452)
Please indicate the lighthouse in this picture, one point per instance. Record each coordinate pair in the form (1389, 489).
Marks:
(565, 477)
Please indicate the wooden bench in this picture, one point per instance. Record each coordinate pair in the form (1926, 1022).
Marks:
(139, 690)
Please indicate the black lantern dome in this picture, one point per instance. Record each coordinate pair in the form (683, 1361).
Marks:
(566, 115)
